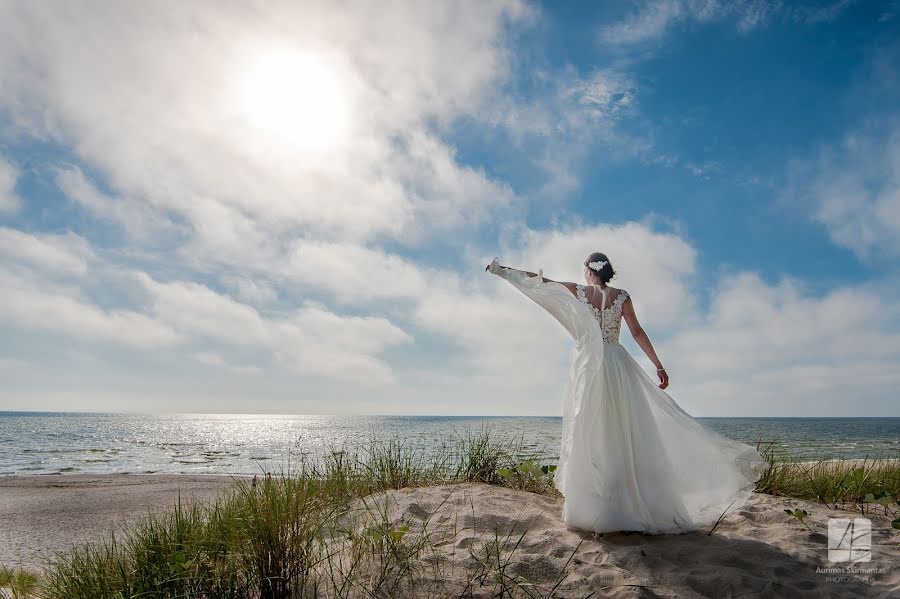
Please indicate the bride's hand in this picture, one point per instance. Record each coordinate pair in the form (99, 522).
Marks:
(663, 378)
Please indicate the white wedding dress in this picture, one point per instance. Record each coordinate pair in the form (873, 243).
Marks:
(630, 458)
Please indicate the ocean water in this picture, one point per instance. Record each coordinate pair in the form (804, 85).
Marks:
(66, 442)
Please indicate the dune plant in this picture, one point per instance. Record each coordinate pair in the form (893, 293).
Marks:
(17, 583)
(528, 475)
(478, 456)
(800, 515)
(836, 483)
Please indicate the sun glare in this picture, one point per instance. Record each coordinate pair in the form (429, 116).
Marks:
(296, 97)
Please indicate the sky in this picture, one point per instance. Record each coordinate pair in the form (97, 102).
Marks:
(287, 207)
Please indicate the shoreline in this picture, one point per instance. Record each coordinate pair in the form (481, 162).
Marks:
(801, 462)
(98, 474)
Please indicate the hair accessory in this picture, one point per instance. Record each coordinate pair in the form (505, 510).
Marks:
(597, 265)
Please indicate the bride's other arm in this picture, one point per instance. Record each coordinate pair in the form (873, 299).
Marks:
(643, 340)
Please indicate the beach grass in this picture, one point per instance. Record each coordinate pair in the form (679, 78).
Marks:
(18, 583)
(317, 530)
(856, 484)
(294, 534)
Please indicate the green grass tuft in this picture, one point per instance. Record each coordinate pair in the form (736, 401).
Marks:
(17, 582)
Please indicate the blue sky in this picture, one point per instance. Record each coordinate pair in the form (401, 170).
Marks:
(216, 208)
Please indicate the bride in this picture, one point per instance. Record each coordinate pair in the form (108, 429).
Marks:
(630, 459)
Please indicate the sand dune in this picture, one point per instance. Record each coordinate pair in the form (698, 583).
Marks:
(759, 551)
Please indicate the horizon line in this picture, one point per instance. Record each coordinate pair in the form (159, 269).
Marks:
(130, 413)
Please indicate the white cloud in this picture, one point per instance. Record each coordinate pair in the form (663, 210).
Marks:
(9, 174)
(23, 305)
(819, 13)
(64, 253)
(42, 277)
(704, 169)
(568, 114)
(605, 93)
(650, 23)
(352, 273)
(211, 359)
(39, 293)
(150, 108)
(751, 15)
(14, 364)
(773, 349)
(855, 190)
(138, 219)
(569, 102)
(250, 291)
(656, 17)
(446, 196)
(311, 340)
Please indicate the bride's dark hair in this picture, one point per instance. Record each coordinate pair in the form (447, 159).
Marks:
(606, 273)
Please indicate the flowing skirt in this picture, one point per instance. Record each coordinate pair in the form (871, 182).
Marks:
(632, 459)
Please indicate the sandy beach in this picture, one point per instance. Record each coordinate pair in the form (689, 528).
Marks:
(43, 513)
(758, 551)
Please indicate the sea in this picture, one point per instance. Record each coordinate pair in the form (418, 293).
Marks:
(246, 444)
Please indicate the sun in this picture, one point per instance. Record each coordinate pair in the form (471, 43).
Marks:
(297, 98)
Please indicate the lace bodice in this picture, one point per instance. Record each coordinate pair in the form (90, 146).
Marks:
(610, 317)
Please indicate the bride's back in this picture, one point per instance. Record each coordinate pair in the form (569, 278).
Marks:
(612, 293)
(606, 303)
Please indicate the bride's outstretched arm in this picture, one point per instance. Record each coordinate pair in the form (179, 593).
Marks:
(569, 286)
(530, 274)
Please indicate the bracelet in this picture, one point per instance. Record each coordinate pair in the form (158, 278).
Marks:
(659, 369)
